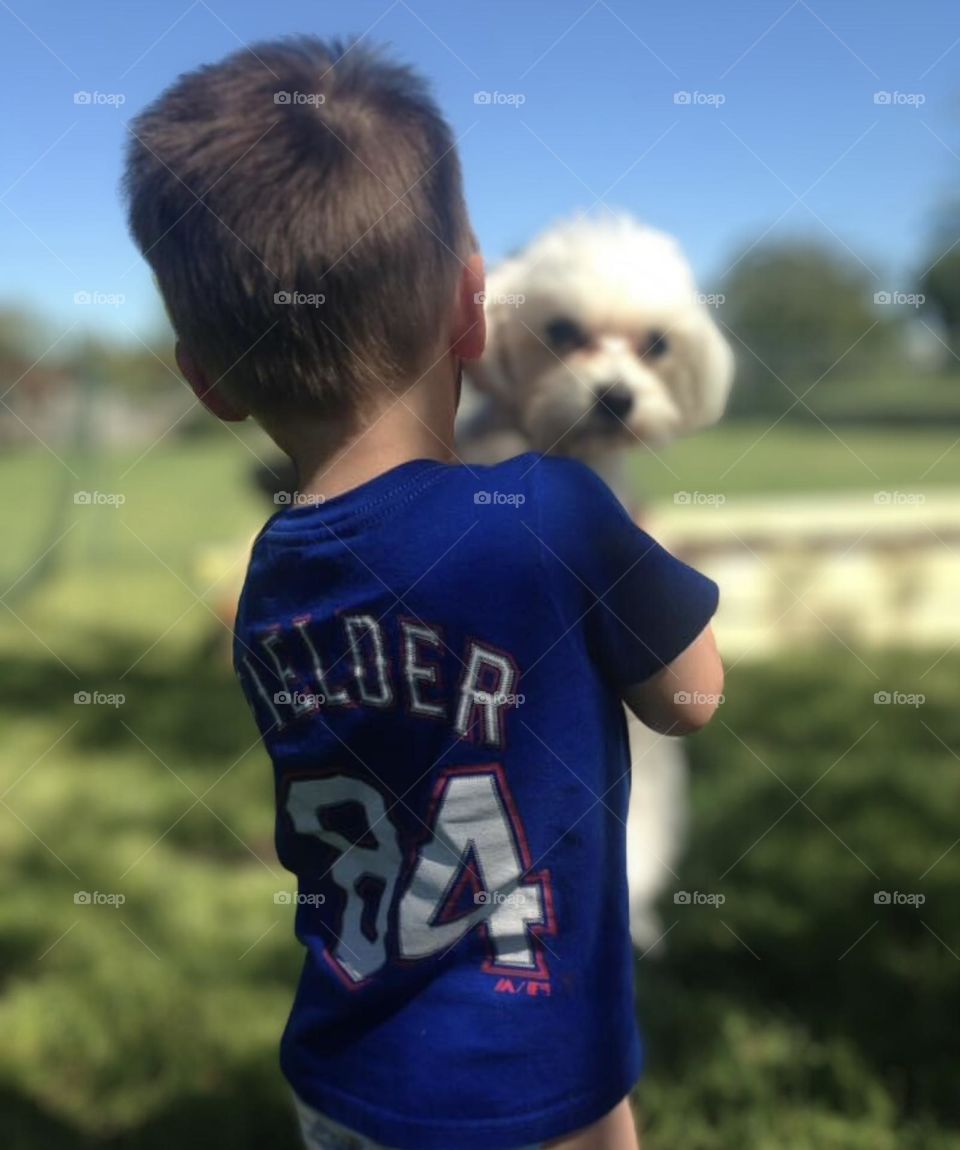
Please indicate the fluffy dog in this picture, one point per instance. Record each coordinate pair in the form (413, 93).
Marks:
(598, 342)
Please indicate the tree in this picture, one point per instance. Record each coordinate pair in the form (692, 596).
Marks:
(799, 311)
(940, 279)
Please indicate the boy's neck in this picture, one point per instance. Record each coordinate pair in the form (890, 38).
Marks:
(417, 423)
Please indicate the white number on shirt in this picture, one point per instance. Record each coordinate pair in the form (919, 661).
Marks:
(475, 843)
(357, 953)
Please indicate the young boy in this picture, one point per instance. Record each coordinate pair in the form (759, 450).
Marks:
(435, 655)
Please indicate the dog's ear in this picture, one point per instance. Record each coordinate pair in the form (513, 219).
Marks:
(712, 374)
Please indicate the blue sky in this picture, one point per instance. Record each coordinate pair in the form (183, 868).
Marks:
(782, 105)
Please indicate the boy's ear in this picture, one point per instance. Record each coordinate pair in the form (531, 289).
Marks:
(470, 326)
(492, 374)
(213, 400)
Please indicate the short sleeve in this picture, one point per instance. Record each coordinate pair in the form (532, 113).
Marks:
(638, 605)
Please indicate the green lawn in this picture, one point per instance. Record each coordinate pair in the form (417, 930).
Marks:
(751, 459)
(182, 496)
(800, 1015)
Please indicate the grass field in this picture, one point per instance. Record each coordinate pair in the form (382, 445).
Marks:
(756, 459)
(799, 1015)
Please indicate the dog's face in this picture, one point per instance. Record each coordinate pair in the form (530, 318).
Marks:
(596, 338)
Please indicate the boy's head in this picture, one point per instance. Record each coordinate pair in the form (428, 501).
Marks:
(301, 206)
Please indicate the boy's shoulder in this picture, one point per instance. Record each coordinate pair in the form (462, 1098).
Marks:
(559, 504)
(544, 478)
(556, 507)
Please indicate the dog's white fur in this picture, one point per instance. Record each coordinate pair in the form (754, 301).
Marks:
(597, 343)
(623, 285)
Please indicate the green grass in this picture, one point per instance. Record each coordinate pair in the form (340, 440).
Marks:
(751, 459)
(909, 396)
(186, 495)
(797, 1016)
(801, 1013)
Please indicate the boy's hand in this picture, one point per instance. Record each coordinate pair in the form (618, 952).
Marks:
(681, 698)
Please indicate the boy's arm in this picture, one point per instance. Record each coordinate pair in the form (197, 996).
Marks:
(645, 614)
(682, 697)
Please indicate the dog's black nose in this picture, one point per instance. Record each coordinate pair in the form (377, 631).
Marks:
(616, 400)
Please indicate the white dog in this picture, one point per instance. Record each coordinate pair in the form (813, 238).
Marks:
(597, 343)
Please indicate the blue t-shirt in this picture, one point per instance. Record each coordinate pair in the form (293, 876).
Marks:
(435, 661)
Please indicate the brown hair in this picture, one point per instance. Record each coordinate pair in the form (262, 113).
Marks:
(301, 205)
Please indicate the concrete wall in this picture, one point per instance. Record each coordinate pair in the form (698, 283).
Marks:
(870, 569)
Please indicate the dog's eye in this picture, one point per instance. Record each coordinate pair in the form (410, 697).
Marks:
(657, 345)
(565, 335)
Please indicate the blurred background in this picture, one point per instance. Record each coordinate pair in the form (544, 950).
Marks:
(807, 158)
